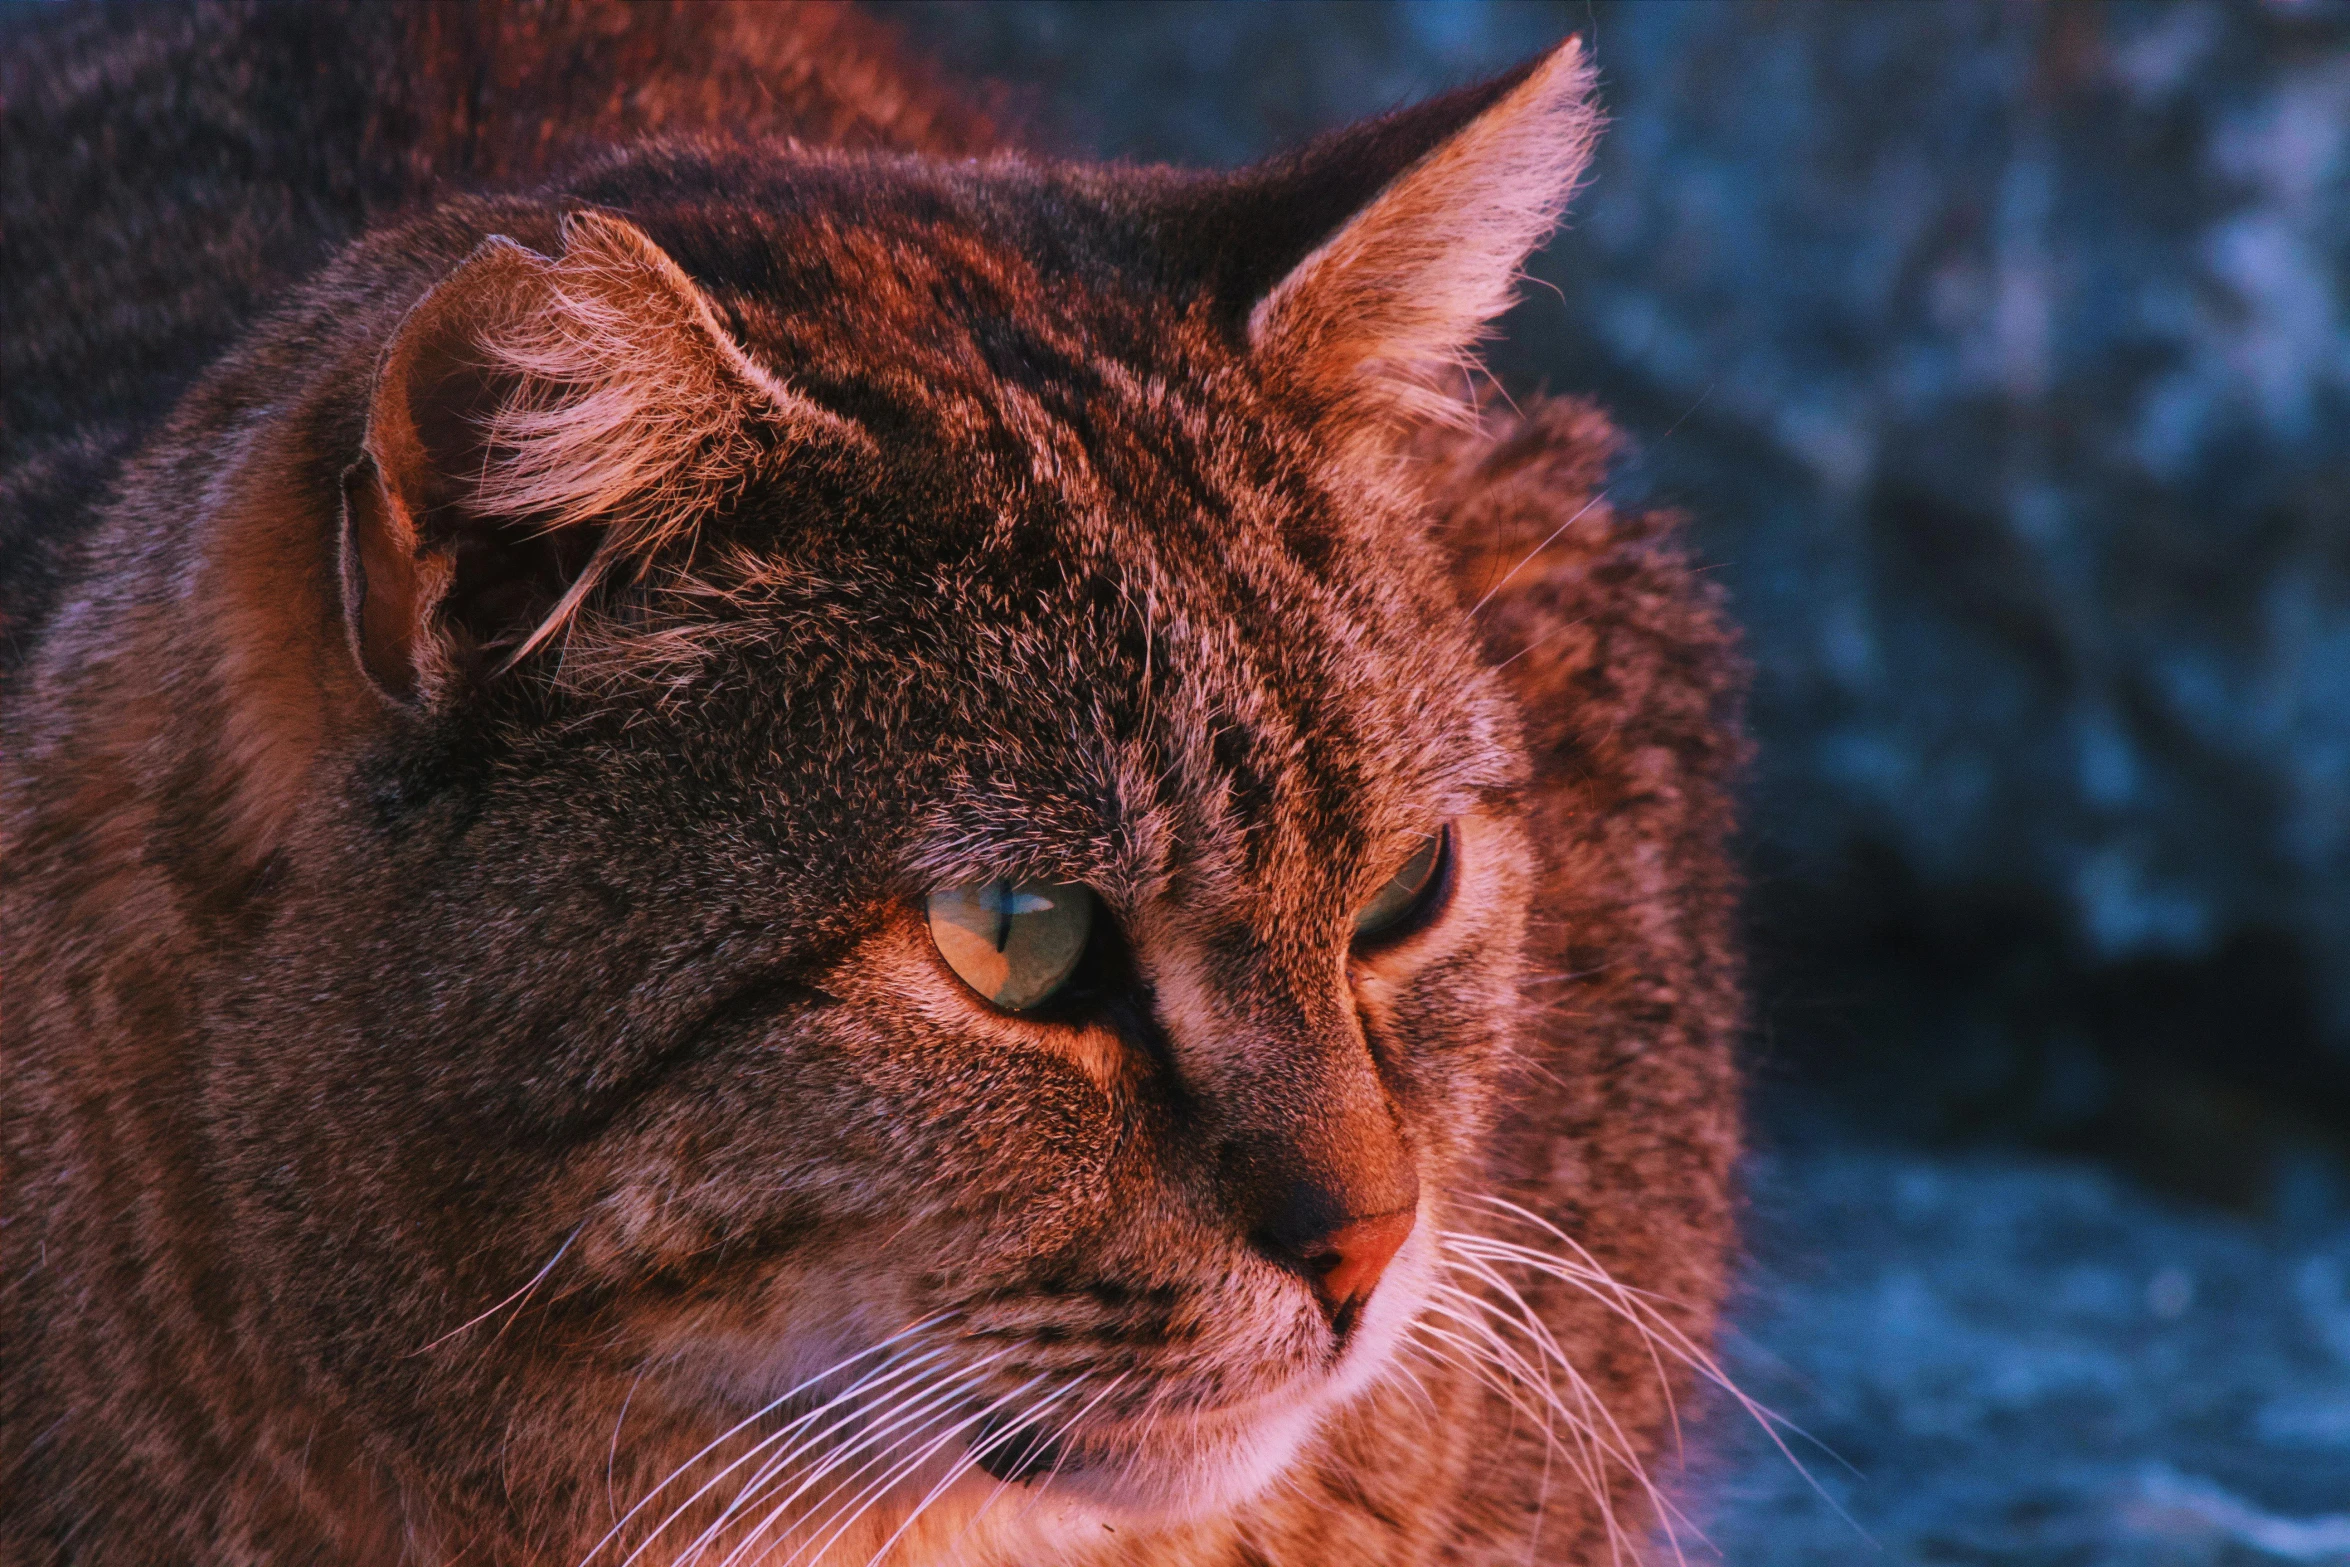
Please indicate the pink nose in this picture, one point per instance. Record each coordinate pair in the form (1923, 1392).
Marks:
(1344, 1265)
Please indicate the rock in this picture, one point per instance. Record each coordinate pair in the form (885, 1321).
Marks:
(2002, 1357)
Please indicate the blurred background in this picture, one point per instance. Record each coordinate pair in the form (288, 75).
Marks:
(2001, 354)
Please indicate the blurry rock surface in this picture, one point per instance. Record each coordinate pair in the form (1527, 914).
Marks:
(2009, 1358)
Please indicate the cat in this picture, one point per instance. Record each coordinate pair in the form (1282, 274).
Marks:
(740, 828)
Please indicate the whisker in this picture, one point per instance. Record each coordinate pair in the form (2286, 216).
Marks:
(1613, 1442)
(919, 1406)
(1530, 1321)
(612, 1453)
(1583, 1458)
(1426, 1396)
(1153, 1406)
(781, 1509)
(848, 1415)
(1670, 431)
(1486, 1362)
(1537, 1376)
(1465, 1257)
(521, 1294)
(761, 1413)
(889, 1367)
(1637, 1308)
(1552, 635)
(972, 1458)
(1640, 1309)
(895, 1466)
(912, 1415)
(1669, 1516)
(874, 1492)
(1595, 500)
(1058, 1458)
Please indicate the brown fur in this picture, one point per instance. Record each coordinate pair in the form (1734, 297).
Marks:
(455, 1072)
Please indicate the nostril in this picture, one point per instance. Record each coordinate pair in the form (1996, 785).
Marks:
(1347, 1266)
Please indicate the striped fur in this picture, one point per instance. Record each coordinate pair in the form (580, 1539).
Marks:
(518, 1116)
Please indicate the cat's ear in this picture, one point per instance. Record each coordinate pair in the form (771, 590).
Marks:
(1393, 245)
(536, 423)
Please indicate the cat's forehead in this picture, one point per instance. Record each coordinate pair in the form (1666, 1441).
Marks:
(1096, 600)
(896, 289)
(1087, 683)
(1084, 680)
(1128, 740)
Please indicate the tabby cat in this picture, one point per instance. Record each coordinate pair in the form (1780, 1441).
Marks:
(742, 830)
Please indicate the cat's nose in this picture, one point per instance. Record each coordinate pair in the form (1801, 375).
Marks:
(1346, 1264)
(1340, 1255)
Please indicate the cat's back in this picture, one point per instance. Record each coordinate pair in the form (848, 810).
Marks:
(167, 175)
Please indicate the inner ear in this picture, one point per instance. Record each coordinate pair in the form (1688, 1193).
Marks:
(1367, 266)
(388, 584)
(506, 578)
(428, 604)
(1237, 235)
(536, 424)
(488, 571)
(1384, 317)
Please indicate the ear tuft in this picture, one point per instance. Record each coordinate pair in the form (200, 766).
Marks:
(1385, 316)
(536, 423)
(628, 400)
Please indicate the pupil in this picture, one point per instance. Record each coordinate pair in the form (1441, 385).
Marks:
(999, 897)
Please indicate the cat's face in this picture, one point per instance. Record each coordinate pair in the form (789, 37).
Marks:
(626, 1007)
(1232, 751)
(1225, 695)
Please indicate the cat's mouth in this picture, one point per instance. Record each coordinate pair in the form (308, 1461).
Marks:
(1139, 1456)
(1152, 1464)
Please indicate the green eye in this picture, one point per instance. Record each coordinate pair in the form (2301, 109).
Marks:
(1015, 942)
(1407, 892)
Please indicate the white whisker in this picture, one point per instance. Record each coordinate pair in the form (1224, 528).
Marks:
(1639, 1309)
(778, 1512)
(971, 1460)
(1555, 533)
(761, 1413)
(1670, 431)
(612, 1453)
(850, 1412)
(1642, 1310)
(519, 1295)
(1530, 1322)
(910, 1417)
(1584, 1458)
(1002, 1485)
(1613, 1442)
(919, 1407)
(865, 1500)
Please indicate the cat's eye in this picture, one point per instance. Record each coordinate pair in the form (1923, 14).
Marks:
(1408, 893)
(1015, 942)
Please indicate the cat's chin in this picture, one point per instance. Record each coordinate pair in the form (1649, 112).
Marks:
(1163, 1471)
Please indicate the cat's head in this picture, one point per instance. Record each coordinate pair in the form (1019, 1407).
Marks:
(918, 822)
